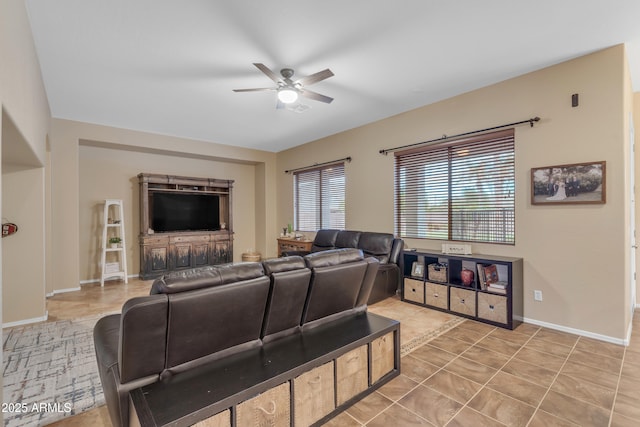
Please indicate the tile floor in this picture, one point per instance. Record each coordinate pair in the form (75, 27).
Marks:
(478, 375)
(470, 376)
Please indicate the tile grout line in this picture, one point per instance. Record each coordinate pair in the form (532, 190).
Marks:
(615, 395)
(440, 368)
(574, 347)
(553, 382)
(418, 383)
(465, 405)
(493, 376)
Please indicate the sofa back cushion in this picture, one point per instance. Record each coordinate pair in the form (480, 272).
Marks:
(230, 273)
(289, 286)
(378, 245)
(187, 280)
(348, 239)
(143, 331)
(203, 277)
(324, 240)
(206, 321)
(336, 280)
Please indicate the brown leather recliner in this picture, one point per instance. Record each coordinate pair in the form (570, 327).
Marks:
(383, 246)
(197, 317)
(185, 326)
(290, 280)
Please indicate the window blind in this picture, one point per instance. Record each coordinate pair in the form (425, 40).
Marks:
(459, 190)
(319, 198)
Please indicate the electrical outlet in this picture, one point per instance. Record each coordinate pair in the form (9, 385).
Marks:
(537, 295)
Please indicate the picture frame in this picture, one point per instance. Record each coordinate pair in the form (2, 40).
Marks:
(572, 184)
(417, 269)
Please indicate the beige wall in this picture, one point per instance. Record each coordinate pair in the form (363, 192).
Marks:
(636, 125)
(107, 173)
(575, 254)
(23, 263)
(629, 188)
(25, 123)
(91, 163)
(21, 88)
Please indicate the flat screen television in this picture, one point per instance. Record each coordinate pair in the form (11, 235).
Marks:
(184, 212)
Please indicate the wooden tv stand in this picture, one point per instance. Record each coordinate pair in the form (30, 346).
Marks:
(169, 251)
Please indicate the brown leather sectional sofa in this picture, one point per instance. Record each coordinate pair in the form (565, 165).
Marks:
(383, 246)
(198, 319)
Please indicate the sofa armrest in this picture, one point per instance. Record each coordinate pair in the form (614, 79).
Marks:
(396, 251)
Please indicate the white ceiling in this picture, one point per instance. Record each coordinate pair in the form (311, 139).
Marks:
(169, 67)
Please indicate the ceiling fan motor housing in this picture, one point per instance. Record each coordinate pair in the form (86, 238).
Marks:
(287, 73)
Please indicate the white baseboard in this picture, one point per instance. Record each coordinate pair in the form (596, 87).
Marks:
(86, 282)
(62, 291)
(580, 332)
(26, 321)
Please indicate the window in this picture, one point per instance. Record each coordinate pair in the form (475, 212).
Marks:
(459, 190)
(318, 196)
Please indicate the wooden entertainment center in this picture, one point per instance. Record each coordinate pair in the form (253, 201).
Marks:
(161, 252)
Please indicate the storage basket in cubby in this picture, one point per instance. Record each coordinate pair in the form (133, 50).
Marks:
(438, 272)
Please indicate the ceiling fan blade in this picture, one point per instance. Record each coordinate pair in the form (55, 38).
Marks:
(257, 89)
(316, 77)
(315, 96)
(273, 76)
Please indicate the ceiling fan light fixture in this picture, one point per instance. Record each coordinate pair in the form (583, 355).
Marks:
(287, 95)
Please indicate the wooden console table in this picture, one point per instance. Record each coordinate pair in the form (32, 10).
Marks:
(290, 244)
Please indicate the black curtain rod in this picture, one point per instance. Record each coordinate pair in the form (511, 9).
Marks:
(445, 137)
(348, 159)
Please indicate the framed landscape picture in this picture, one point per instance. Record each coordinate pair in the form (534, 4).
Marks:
(578, 183)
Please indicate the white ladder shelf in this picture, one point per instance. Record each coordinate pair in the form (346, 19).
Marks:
(114, 228)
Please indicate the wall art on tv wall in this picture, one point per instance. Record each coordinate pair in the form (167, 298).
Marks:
(578, 183)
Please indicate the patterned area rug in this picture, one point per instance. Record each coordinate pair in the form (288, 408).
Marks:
(50, 372)
(428, 335)
(50, 369)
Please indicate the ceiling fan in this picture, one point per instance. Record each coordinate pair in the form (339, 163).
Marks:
(288, 89)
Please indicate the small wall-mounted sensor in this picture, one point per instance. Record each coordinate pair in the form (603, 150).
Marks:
(574, 100)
